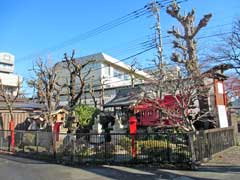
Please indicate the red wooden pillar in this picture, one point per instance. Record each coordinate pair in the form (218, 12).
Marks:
(11, 128)
(133, 131)
(220, 100)
(133, 147)
(56, 129)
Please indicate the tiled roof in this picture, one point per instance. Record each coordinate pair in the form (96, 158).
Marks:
(22, 105)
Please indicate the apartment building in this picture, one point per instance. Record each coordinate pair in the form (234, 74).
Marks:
(7, 76)
(106, 73)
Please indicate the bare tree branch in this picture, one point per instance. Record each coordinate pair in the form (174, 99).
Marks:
(188, 56)
(9, 97)
(47, 85)
(77, 72)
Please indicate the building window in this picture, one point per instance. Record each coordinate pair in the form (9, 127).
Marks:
(106, 70)
(6, 57)
(126, 77)
(6, 66)
(118, 74)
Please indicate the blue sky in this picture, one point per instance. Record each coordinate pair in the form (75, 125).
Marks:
(38, 28)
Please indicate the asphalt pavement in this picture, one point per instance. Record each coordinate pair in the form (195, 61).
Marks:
(16, 168)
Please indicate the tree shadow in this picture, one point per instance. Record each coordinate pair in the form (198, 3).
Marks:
(141, 173)
(220, 168)
(21, 159)
(122, 173)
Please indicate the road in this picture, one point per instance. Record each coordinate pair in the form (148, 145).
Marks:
(15, 168)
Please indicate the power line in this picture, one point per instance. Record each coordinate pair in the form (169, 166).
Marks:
(105, 27)
(146, 68)
(217, 26)
(132, 42)
(129, 57)
(152, 47)
(137, 46)
(214, 35)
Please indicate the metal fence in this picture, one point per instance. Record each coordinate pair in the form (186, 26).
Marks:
(105, 148)
(18, 116)
(34, 144)
(99, 148)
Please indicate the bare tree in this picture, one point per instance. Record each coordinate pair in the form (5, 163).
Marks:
(78, 73)
(92, 92)
(10, 97)
(229, 51)
(133, 68)
(158, 62)
(47, 85)
(102, 83)
(232, 87)
(185, 46)
(189, 86)
(160, 74)
(185, 92)
(37, 95)
(179, 103)
(185, 42)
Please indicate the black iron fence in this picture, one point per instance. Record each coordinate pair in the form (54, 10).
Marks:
(99, 148)
(115, 148)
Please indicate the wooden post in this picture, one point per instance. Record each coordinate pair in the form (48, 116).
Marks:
(36, 141)
(54, 145)
(235, 129)
(73, 150)
(193, 160)
(11, 128)
(133, 147)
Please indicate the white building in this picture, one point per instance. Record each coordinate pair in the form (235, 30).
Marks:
(106, 70)
(8, 79)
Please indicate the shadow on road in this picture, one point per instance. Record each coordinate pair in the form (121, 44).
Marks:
(128, 173)
(21, 160)
(122, 173)
(220, 168)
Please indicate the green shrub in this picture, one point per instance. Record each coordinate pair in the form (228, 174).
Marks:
(152, 144)
(29, 138)
(103, 151)
(125, 143)
(155, 149)
(86, 114)
(83, 150)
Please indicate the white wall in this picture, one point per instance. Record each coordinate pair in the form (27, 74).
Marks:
(10, 79)
(6, 62)
(102, 71)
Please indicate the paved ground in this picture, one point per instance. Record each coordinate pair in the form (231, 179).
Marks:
(14, 168)
(229, 157)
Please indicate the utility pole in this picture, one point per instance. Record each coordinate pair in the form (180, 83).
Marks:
(155, 8)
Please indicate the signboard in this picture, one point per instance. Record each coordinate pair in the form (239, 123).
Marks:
(220, 87)
(222, 115)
